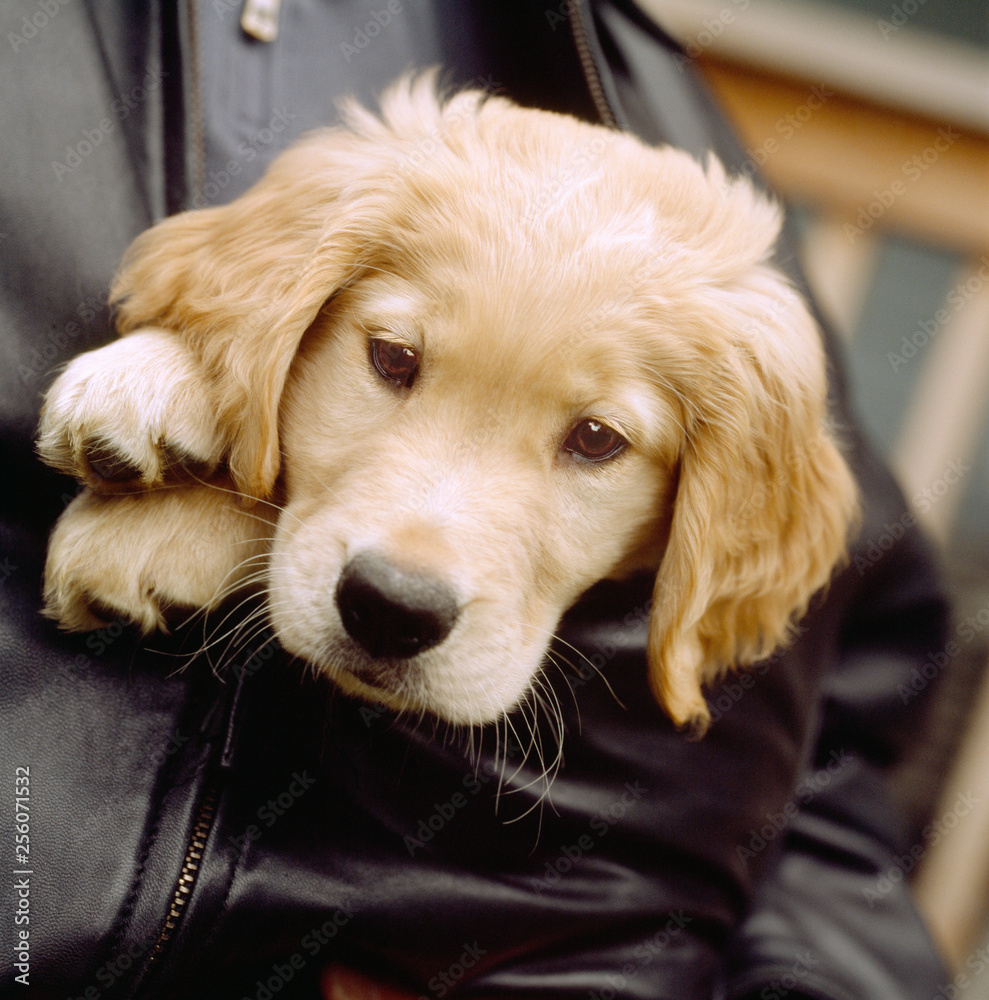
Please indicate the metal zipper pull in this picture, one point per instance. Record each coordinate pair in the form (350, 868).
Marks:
(259, 19)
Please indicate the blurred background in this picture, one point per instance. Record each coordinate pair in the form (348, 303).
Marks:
(871, 118)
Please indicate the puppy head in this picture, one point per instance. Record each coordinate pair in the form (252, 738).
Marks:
(487, 357)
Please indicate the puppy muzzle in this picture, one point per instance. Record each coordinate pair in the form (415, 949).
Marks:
(393, 613)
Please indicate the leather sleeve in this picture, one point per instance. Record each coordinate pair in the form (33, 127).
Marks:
(227, 829)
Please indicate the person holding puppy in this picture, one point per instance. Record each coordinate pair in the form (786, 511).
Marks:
(254, 834)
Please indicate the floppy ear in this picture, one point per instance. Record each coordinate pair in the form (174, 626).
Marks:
(764, 500)
(242, 283)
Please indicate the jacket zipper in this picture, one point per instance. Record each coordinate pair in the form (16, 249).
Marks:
(187, 874)
(585, 52)
(189, 871)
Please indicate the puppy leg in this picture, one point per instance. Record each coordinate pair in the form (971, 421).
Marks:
(139, 556)
(130, 414)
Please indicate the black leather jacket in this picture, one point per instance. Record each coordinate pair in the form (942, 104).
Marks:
(201, 834)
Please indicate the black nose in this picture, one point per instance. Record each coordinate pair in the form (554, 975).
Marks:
(392, 612)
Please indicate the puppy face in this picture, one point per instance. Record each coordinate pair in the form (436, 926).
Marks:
(461, 461)
(485, 357)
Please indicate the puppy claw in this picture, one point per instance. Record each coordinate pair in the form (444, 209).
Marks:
(149, 557)
(133, 414)
(109, 465)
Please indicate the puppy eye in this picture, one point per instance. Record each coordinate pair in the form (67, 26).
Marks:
(397, 363)
(594, 441)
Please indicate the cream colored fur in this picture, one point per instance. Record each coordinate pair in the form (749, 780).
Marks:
(545, 271)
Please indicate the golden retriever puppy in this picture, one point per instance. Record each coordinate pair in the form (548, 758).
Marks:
(434, 376)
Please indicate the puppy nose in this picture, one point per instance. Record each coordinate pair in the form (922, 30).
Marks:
(390, 611)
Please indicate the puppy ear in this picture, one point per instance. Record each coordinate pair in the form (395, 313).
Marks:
(764, 500)
(243, 282)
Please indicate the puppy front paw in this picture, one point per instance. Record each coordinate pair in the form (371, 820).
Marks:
(148, 557)
(134, 413)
